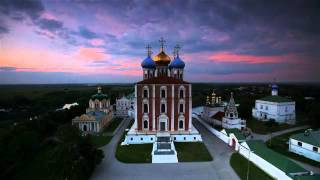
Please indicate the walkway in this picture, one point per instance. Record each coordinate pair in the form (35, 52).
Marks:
(266, 137)
(219, 168)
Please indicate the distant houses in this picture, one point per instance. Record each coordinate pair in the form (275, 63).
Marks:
(278, 108)
(306, 144)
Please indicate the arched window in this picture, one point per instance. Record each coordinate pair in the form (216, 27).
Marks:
(163, 108)
(145, 93)
(181, 93)
(163, 93)
(181, 124)
(181, 108)
(145, 108)
(145, 124)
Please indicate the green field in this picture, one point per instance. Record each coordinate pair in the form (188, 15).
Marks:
(261, 127)
(133, 153)
(240, 166)
(279, 144)
(192, 152)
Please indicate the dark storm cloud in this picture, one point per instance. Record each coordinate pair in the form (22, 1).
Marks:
(3, 29)
(228, 68)
(257, 27)
(86, 33)
(6, 68)
(49, 24)
(31, 8)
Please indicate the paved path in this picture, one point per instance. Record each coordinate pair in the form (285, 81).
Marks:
(266, 137)
(219, 168)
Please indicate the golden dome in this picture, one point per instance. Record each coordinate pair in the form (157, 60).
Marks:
(162, 58)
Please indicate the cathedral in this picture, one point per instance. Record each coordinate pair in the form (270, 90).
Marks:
(163, 101)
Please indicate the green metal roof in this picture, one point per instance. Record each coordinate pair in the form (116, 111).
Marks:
(274, 158)
(99, 96)
(310, 137)
(278, 99)
(307, 177)
(237, 133)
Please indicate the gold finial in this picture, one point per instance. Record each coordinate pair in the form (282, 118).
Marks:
(177, 48)
(99, 89)
(162, 41)
(149, 52)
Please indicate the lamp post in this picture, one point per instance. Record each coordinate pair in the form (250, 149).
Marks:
(248, 164)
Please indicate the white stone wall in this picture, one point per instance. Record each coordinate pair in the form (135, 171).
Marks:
(150, 138)
(261, 163)
(232, 123)
(304, 150)
(219, 134)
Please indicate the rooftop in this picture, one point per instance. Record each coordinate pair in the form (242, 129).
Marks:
(277, 99)
(310, 137)
(274, 158)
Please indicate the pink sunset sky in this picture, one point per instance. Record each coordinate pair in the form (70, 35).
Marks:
(104, 41)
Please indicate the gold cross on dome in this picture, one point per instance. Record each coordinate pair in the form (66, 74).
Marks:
(162, 41)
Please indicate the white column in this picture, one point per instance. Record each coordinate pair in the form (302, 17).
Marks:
(153, 108)
(135, 124)
(172, 109)
(190, 107)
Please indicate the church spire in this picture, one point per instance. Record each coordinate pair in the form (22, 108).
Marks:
(231, 111)
(149, 52)
(177, 49)
(162, 41)
(99, 89)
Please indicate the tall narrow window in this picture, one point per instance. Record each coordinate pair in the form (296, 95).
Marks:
(145, 108)
(163, 108)
(163, 93)
(145, 124)
(145, 93)
(180, 124)
(181, 93)
(181, 108)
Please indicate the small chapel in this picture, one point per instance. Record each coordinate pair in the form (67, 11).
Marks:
(97, 115)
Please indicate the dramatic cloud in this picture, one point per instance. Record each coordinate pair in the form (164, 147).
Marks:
(221, 40)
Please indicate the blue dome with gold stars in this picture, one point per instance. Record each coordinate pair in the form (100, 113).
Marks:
(176, 63)
(148, 63)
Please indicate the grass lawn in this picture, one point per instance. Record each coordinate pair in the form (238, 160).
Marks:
(113, 125)
(279, 144)
(261, 127)
(133, 153)
(100, 140)
(191, 152)
(240, 166)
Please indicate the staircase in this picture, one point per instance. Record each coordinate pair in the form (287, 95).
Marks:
(163, 150)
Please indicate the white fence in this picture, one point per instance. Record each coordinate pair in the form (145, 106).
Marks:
(219, 134)
(261, 163)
